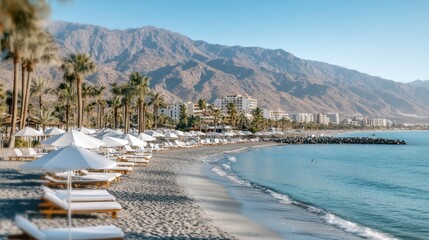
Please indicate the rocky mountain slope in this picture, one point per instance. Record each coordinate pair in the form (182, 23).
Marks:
(185, 69)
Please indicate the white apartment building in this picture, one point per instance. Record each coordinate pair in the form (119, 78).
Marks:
(302, 117)
(274, 114)
(244, 104)
(334, 118)
(173, 110)
(322, 119)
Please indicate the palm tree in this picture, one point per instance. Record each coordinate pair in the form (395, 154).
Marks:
(115, 103)
(88, 109)
(66, 98)
(217, 115)
(127, 92)
(232, 112)
(2, 98)
(258, 119)
(142, 90)
(39, 88)
(202, 104)
(183, 117)
(41, 49)
(157, 101)
(87, 92)
(77, 66)
(47, 118)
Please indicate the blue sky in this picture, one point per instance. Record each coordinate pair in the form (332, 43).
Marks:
(386, 38)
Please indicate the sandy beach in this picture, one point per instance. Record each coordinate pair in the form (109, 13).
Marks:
(169, 199)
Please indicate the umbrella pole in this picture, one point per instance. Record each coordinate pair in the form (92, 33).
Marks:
(69, 186)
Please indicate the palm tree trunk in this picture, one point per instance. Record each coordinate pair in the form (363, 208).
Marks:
(155, 117)
(143, 117)
(41, 104)
(126, 118)
(14, 104)
(67, 118)
(23, 90)
(26, 99)
(139, 115)
(79, 102)
(115, 116)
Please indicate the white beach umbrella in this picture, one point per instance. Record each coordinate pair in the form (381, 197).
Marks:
(113, 142)
(170, 135)
(240, 133)
(133, 141)
(53, 131)
(69, 159)
(248, 132)
(187, 134)
(199, 133)
(73, 138)
(85, 130)
(146, 137)
(259, 134)
(179, 133)
(155, 134)
(28, 132)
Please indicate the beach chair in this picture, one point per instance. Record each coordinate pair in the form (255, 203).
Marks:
(19, 156)
(133, 159)
(62, 183)
(31, 231)
(59, 206)
(32, 152)
(128, 149)
(79, 195)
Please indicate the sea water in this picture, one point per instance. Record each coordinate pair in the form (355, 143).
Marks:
(334, 191)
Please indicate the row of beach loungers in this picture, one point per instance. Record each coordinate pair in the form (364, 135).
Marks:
(89, 195)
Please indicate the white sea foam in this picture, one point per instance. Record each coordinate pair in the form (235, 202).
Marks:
(232, 159)
(233, 178)
(355, 228)
(226, 167)
(281, 197)
(219, 171)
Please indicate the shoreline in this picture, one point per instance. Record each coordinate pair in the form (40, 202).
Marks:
(219, 205)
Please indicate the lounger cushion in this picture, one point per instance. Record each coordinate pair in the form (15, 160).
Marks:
(83, 206)
(29, 228)
(97, 232)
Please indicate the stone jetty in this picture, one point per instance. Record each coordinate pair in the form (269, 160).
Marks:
(339, 140)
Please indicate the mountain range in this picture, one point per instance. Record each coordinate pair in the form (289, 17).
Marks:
(185, 69)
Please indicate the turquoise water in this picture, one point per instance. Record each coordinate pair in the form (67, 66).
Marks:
(363, 191)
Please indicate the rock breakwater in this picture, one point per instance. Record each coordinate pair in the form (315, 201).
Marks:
(339, 140)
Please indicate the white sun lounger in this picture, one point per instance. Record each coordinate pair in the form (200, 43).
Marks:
(76, 182)
(60, 206)
(31, 231)
(82, 195)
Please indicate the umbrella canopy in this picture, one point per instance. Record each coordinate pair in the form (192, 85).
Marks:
(73, 138)
(199, 133)
(28, 132)
(85, 130)
(145, 137)
(133, 141)
(68, 159)
(248, 132)
(179, 133)
(113, 142)
(53, 131)
(188, 134)
(170, 135)
(155, 134)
